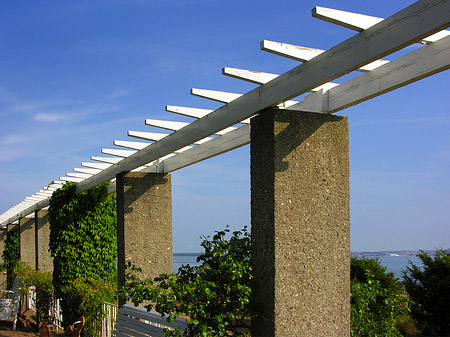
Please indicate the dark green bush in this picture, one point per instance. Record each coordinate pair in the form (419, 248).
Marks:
(429, 288)
(378, 300)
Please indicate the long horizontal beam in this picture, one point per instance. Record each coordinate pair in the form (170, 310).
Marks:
(408, 26)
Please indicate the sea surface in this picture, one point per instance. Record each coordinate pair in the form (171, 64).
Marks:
(393, 264)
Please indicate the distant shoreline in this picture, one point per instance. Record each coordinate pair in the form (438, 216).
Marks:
(392, 253)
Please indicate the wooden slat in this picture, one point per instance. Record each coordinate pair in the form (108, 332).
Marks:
(304, 54)
(79, 175)
(130, 145)
(110, 160)
(118, 153)
(153, 136)
(99, 166)
(360, 22)
(407, 69)
(189, 112)
(128, 325)
(215, 95)
(91, 171)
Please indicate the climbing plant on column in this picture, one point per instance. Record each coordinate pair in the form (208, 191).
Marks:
(82, 242)
(11, 254)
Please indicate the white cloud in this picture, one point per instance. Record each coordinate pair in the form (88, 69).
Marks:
(49, 117)
(13, 139)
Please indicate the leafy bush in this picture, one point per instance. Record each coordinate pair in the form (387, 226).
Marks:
(43, 283)
(215, 295)
(429, 288)
(378, 300)
(11, 254)
(88, 295)
(83, 240)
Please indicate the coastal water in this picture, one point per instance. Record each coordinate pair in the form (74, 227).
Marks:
(393, 264)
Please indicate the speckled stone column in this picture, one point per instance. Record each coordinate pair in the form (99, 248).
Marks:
(3, 232)
(27, 240)
(144, 222)
(44, 260)
(300, 224)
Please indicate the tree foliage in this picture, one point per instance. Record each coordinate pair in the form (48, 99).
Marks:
(82, 241)
(377, 299)
(11, 254)
(215, 294)
(429, 288)
(43, 283)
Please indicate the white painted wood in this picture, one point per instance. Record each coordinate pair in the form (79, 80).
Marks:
(174, 126)
(189, 112)
(214, 95)
(168, 125)
(403, 28)
(91, 171)
(72, 179)
(360, 22)
(79, 175)
(416, 65)
(99, 166)
(147, 135)
(131, 145)
(304, 54)
(261, 78)
(118, 153)
(232, 140)
(255, 77)
(227, 97)
(106, 160)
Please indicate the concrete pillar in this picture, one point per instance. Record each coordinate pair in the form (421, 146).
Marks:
(44, 260)
(144, 222)
(27, 240)
(300, 213)
(3, 278)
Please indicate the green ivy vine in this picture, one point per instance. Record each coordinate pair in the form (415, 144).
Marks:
(11, 254)
(83, 242)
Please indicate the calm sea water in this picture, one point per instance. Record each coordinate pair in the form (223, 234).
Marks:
(393, 264)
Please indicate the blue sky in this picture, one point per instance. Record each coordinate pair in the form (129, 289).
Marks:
(76, 75)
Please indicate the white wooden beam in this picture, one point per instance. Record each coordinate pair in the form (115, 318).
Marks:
(411, 24)
(153, 136)
(118, 153)
(360, 22)
(90, 171)
(214, 95)
(72, 179)
(261, 78)
(79, 175)
(98, 166)
(174, 126)
(110, 160)
(189, 112)
(304, 54)
(232, 140)
(130, 145)
(416, 65)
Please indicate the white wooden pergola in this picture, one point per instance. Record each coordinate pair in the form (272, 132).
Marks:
(217, 131)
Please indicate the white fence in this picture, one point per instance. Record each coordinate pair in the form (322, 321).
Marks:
(55, 310)
(109, 318)
(109, 313)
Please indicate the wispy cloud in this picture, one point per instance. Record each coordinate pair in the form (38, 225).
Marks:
(49, 117)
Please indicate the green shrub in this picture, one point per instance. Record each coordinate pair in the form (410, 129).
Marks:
(83, 241)
(215, 295)
(429, 288)
(88, 295)
(43, 283)
(378, 300)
